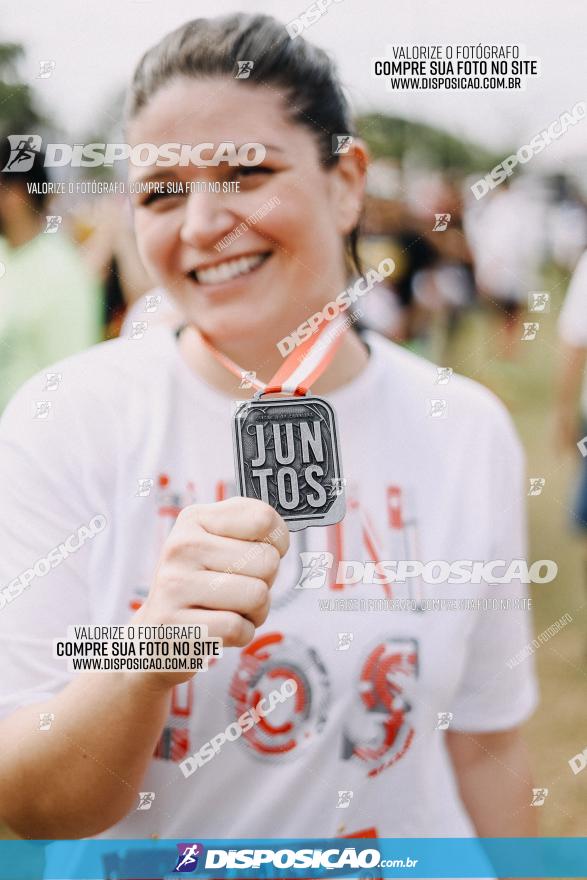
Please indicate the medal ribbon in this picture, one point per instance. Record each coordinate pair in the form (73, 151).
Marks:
(301, 367)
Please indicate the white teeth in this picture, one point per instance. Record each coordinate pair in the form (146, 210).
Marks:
(229, 269)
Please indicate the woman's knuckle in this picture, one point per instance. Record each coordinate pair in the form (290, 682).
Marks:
(264, 519)
(258, 591)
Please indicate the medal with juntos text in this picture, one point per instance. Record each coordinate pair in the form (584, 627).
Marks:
(286, 447)
(286, 454)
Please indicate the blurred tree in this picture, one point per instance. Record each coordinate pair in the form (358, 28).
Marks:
(394, 138)
(18, 107)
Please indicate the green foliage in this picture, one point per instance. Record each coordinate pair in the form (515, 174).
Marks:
(393, 137)
(18, 107)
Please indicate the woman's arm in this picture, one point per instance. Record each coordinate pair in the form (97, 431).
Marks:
(83, 775)
(494, 781)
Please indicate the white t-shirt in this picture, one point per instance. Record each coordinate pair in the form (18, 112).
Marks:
(364, 719)
(572, 325)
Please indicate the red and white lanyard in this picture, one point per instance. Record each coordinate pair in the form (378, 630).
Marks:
(302, 367)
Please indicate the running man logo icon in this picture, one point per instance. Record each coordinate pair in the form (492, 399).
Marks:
(537, 484)
(444, 719)
(538, 301)
(341, 143)
(247, 379)
(344, 641)
(46, 719)
(23, 149)
(146, 799)
(144, 488)
(438, 408)
(443, 375)
(52, 381)
(46, 68)
(441, 222)
(539, 795)
(315, 567)
(337, 485)
(53, 223)
(530, 331)
(42, 409)
(138, 329)
(187, 857)
(244, 69)
(152, 302)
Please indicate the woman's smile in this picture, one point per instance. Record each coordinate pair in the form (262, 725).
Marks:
(225, 271)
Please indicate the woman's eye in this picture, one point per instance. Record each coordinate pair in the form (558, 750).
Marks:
(251, 171)
(157, 196)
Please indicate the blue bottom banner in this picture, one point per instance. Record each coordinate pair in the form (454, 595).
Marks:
(304, 859)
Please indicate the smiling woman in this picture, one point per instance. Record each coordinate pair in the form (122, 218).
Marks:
(245, 266)
(292, 105)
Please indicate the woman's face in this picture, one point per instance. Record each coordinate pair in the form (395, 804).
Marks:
(277, 271)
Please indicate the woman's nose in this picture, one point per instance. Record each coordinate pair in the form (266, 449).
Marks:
(205, 220)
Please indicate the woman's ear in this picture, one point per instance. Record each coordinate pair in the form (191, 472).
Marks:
(348, 180)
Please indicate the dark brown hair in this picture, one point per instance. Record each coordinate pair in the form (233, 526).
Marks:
(208, 47)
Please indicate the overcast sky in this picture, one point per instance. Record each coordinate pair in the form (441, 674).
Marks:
(96, 46)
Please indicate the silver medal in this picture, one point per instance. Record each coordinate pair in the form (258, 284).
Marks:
(287, 454)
